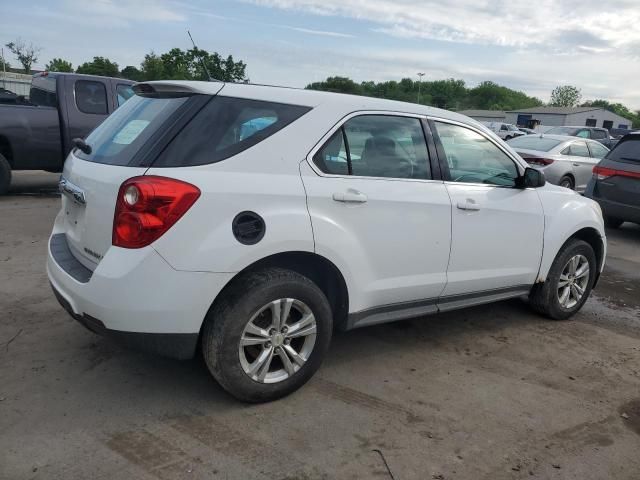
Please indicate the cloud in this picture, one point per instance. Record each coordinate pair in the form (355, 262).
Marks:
(118, 14)
(325, 33)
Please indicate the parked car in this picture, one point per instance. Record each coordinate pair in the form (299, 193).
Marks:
(329, 211)
(565, 161)
(528, 131)
(38, 134)
(615, 183)
(594, 133)
(505, 131)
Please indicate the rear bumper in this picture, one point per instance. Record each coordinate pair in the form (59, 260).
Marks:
(628, 213)
(135, 296)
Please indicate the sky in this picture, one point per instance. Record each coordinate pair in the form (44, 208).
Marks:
(528, 45)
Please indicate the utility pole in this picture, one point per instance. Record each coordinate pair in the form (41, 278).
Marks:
(420, 75)
(4, 70)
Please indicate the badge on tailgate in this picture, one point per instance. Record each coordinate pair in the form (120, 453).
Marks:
(72, 191)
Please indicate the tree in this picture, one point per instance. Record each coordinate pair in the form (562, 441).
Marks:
(152, 67)
(27, 55)
(565, 96)
(99, 66)
(178, 64)
(59, 65)
(131, 73)
(337, 84)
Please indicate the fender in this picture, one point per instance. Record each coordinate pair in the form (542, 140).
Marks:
(565, 214)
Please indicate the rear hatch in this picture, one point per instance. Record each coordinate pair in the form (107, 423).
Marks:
(123, 146)
(621, 182)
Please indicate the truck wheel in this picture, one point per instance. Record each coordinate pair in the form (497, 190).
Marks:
(568, 283)
(268, 335)
(5, 175)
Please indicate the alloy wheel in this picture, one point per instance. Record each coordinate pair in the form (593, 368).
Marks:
(573, 281)
(278, 340)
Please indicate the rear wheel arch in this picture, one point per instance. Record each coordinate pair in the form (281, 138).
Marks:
(5, 150)
(317, 268)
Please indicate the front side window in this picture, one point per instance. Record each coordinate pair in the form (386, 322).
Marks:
(125, 92)
(597, 150)
(225, 127)
(472, 158)
(383, 146)
(91, 97)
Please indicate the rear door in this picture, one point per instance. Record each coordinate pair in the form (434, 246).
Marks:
(497, 229)
(582, 163)
(622, 185)
(91, 180)
(378, 210)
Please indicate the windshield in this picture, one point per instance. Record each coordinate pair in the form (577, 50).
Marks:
(533, 142)
(121, 135)
(562, 131)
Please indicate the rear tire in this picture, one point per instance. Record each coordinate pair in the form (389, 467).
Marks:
(612, 222)
(566, 182)
(548, 299)
(5, 175)
(248, 313)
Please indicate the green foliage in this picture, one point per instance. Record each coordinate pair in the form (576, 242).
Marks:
(451, 93)
(177, 64)
(27, 55)
(59, 65)
(131, 73)
(565, 96)
(99, 66)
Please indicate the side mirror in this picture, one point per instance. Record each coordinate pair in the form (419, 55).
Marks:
(532, 178)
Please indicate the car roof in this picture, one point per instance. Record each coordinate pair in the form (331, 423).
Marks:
(579, 126)
(310, 98)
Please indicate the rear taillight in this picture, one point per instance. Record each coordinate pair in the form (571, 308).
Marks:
(602, 173)
(147, 207)
(542, 162)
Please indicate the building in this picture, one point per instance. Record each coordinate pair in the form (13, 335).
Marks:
(18, 83)
(561, 116)
(485, 115)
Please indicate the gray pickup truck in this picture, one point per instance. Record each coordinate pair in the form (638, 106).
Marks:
(37, 133)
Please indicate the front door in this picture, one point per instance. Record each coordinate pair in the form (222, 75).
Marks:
(582, 163)
(497, 228)
(377, 212)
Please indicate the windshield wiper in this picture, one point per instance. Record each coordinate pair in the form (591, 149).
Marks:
(82, 145)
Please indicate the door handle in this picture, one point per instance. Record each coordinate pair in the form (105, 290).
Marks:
(350, 196)
(576, 164)
(469, 204)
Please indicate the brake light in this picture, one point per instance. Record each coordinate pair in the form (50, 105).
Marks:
(542, 162)
(147, 207)
(602, 173)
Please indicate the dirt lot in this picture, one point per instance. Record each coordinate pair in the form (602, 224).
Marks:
(488, 393)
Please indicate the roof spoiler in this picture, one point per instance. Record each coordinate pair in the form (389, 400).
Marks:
(163, 89)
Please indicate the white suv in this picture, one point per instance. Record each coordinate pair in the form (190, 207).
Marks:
(252, 221)
(505, 131)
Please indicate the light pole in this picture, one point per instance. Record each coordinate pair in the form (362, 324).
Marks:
(420, 75)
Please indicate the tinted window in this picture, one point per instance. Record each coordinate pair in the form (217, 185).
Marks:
(577, 149)
(125, 92)
(583, 134)
(472, 158)
(91, 97)
(225, 127)
(383, 146)
(597, 150)
(116, 140)
(43, 91)
(626, 151)
(598, 134)
(562, 131)
(534, 142)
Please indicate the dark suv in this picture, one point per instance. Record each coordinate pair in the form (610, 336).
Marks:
(615, 184)
(594, 133)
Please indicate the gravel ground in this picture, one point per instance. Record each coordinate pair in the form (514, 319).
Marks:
(493, 392)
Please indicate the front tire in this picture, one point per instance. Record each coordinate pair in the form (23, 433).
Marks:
(268, 335)
(568, 283)
(5, 175)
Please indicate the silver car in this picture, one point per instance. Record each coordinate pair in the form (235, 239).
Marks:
(565, 161)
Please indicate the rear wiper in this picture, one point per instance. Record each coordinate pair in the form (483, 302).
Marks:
(82, 145)
(629, 159)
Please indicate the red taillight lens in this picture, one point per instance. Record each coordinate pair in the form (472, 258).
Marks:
(147, 207)
(542, 162)
(602, 173)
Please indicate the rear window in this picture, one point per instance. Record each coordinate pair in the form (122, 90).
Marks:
(225, 127)
(122, 134)
(532, 142)
(43, 91)
(562, 131)
(626, 151)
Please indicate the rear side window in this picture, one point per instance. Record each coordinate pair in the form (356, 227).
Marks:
(626, 151)
(577, 149)
(43, 91)
(598, 134)
(116, 140)
(91, 97)
(225, 127)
